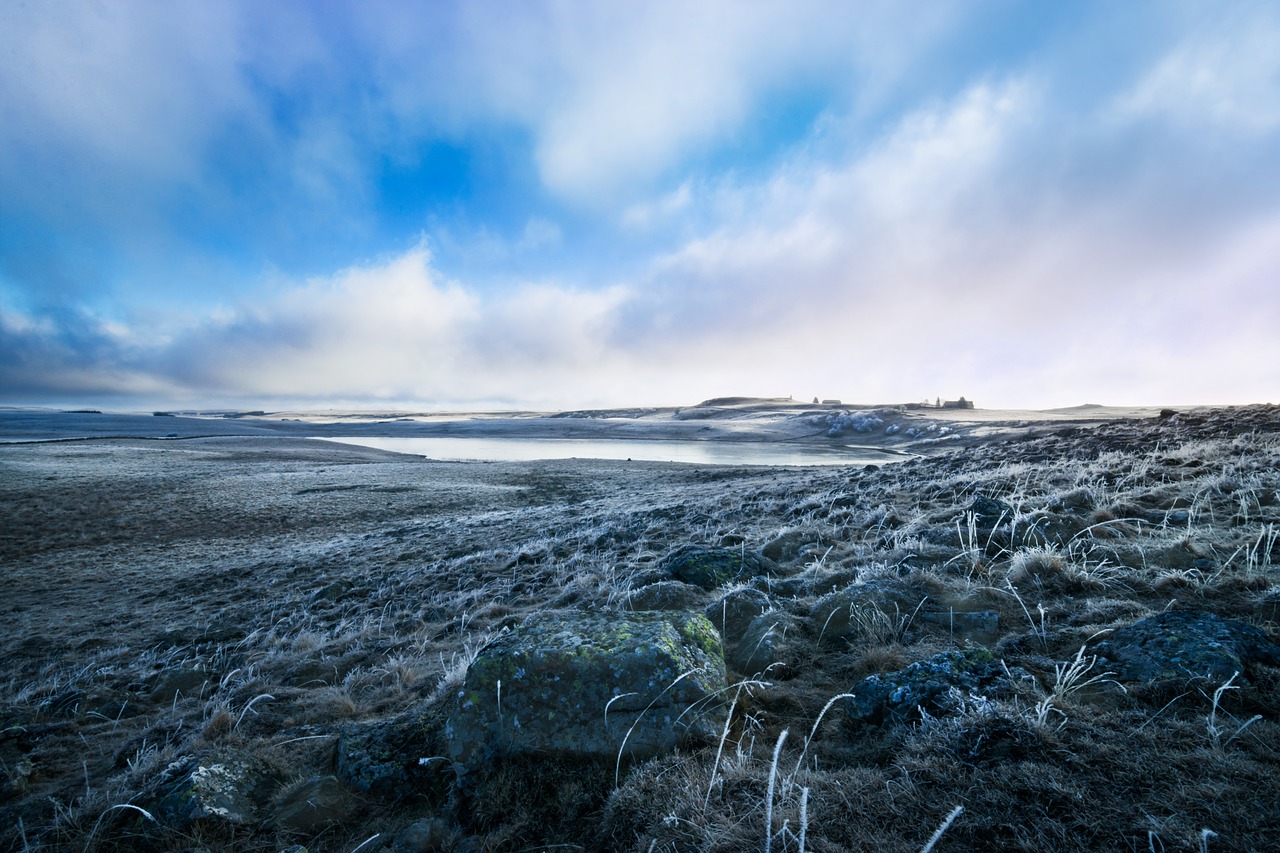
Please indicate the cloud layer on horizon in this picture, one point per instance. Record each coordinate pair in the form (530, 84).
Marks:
(656, 207)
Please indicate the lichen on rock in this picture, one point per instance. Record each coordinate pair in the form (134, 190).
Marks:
(226, 788)
(591, 684)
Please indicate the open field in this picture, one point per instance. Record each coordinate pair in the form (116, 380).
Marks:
(185, 592)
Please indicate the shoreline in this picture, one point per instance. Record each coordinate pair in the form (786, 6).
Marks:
(908, 429)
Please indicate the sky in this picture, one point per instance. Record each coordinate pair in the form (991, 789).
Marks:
(569, 204)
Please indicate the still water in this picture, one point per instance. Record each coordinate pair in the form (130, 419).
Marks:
(700, 452)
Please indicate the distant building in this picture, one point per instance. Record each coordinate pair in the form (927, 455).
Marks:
(962, 403)
(830, 402)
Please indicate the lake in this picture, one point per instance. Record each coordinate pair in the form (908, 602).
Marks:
(699, 452)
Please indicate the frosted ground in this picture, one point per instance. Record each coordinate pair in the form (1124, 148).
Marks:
(185, 589)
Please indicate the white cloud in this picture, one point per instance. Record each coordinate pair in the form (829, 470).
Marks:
(538, 234)
(615, 95)
(126, 88)
(949, 257)
(387, 331)
(1227, 78)
(645, 215)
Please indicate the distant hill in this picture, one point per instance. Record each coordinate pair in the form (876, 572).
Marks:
(744, 401)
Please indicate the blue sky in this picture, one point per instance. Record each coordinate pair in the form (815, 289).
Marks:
(570, 204)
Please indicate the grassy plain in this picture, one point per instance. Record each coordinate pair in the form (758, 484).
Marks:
(260, 593)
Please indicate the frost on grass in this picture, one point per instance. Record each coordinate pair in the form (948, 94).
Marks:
(588, 684)
(195, 579)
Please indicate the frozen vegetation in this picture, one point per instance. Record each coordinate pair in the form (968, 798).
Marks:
(1055, 636)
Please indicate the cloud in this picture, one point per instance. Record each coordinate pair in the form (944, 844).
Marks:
(952, 253)
(647, 214)
(122, 89)
(971, 249)
(388, 331)
(1226, 78)
(925, 223)
(639, 92)
(538, 234)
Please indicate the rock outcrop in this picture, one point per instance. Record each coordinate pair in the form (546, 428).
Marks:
(598, 685)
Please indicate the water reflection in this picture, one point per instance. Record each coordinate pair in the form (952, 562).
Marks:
(699, 452)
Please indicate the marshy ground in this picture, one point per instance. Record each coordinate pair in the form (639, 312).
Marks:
(274, 597)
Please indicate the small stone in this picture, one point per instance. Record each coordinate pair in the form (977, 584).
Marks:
(788, 546)
(834, 617)
(989, 512)
(982, 626)
(426, 835)
(734, 611)
(767, 647)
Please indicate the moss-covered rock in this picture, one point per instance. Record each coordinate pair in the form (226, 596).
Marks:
(1184, 644)
(734, 611)
(768, 646)
(835, 616)
(667, 595)
(714, 567)
(394, 758)
(591, 685)
(935, 685)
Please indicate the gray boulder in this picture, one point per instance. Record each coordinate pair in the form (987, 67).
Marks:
(599, 685)
(714, 567)
(1180, 645)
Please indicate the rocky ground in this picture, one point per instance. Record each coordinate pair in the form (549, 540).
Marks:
(1044, 635)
